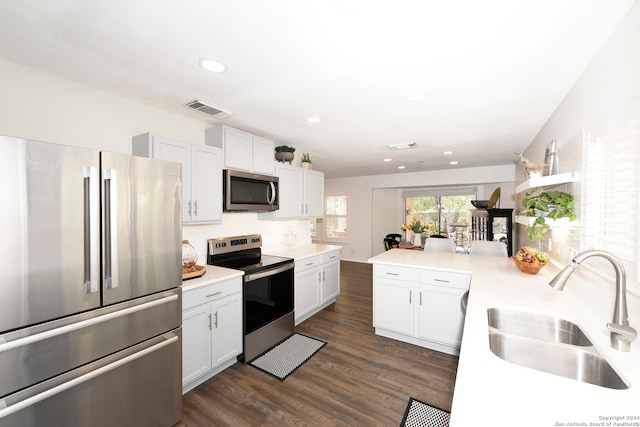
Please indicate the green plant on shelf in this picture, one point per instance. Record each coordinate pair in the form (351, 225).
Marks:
(543, 205)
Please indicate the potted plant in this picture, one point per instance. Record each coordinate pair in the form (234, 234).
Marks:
(546, 204)
(284, 153)
(306, 161)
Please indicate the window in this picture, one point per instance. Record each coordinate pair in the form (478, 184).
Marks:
(335, 217)
(442, 207)
(609, 205)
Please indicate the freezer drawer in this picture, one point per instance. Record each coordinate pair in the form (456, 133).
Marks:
(35, 354)
(139, 386)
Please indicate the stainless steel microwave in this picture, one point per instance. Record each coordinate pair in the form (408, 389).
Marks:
(249, 192)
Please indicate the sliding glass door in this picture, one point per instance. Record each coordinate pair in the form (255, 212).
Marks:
(445, 209)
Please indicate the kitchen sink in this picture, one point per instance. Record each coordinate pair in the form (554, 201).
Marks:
(549, 344)
(537, 326)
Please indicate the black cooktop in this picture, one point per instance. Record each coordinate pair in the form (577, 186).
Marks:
(248, 260)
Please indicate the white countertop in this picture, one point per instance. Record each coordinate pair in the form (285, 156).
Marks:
(491, 391)
(301, 251)
(213, 275)
(217, 274)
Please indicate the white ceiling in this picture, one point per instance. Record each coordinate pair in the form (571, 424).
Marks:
(493, 71)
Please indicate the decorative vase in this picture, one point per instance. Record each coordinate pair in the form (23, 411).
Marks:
(284, 156)
(189, 257)
(307, 165)
(417, 239)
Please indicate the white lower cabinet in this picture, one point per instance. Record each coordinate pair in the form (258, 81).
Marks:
(307, 287)
(317, 284)
(330, 277)
(422, 307)
(211, 330)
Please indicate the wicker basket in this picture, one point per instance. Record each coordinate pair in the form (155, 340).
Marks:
(527, 267)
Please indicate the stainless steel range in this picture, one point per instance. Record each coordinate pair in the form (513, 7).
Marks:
(268, 287)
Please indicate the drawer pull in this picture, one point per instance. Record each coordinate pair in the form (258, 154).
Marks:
(440, 280)
(308, 264)
(392, 274)
(214, 294)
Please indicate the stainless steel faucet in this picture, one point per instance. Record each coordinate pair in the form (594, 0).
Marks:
(621, 333)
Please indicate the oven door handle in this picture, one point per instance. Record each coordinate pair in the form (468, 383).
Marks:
(266, 273)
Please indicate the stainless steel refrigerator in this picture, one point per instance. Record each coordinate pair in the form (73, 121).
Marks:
(90, 303)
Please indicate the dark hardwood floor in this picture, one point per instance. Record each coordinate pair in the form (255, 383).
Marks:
(357, 379)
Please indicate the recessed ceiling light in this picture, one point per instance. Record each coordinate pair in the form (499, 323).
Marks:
(212, 65)
(453, 163)
(313, 119)
(386, 160)
(415, 97)
(401, 167)
(447, 153)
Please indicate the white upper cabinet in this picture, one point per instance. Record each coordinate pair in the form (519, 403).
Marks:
(201, 174)
(242, 150)
(301, 193)
(313, 193)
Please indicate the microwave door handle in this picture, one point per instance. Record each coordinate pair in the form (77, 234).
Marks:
(91, 230)
(273, 193)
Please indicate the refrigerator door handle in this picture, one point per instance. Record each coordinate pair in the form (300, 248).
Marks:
(91, 230)
(111, 229)
(8, 410)
(30, 339)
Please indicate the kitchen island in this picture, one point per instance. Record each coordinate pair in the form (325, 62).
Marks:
(492, 391)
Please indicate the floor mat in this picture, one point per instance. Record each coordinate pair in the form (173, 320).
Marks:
(419, 414)
(284, 358)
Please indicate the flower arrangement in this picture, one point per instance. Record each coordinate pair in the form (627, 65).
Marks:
(417, 227)
(530, 260)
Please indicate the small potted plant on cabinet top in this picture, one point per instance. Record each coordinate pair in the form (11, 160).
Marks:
(543, 205)
(284, 153)
(306, 161)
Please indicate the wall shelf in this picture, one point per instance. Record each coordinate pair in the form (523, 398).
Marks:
(528, 220)
(545, 181)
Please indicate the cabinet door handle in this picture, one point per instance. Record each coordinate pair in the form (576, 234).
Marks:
(189, 207)
(216, 323)
(410, 292)
(195, 208)
(209, 321)
(420, 298)
(323, 277)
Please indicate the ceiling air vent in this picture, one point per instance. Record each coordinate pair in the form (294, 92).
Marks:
(208, 108)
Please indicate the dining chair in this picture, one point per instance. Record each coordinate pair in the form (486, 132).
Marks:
(487, 247)
(440, 245)
(390, 243)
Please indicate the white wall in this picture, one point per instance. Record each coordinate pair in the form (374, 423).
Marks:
(39, 106)
(361, 202)
(603, 92)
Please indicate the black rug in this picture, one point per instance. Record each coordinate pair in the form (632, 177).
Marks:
(419, 414)
(284, 358)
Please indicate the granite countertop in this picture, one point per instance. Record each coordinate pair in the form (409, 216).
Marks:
(491, 391)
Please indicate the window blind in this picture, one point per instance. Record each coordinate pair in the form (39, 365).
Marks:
(609, 196)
